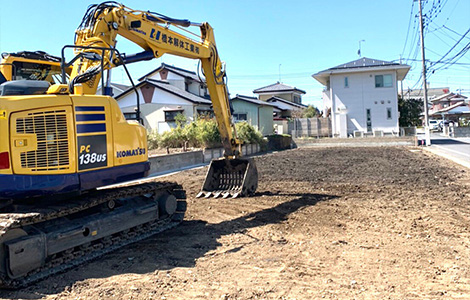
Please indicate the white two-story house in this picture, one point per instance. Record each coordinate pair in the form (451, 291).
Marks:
(362, 95)
(164, 93)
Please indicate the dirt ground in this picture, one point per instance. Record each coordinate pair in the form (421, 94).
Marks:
(333, 223)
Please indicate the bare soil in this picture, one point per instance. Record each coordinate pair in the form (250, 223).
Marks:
(333, 223)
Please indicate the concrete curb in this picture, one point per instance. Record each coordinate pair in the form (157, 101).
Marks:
(447, 156)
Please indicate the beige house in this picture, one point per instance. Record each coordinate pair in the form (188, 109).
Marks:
(284, 98)
(280, 90)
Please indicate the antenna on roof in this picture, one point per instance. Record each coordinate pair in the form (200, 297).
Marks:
(280, 73)
(359, 51)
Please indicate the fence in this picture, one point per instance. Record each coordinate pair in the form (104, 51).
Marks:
(305, 127)
(162, 164)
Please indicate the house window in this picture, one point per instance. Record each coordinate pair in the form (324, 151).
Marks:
(170, 115)
(383, 81)
(296, 99)
(389, 113)
(205, 113)
(240, 117)
(346, 82)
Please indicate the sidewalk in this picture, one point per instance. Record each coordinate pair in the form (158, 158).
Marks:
(454, 149)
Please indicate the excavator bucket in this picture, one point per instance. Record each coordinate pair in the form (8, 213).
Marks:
(230, 178)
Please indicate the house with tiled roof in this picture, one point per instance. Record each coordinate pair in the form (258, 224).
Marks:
(362, 96)
(450, 107)
(254, 111)
(183, 79)
(164, 93)
(283, 109)
(280, 90)
(432, 93)
(285, 98)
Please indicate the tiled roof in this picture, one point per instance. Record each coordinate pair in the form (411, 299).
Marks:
(449, 97)
(182, 72)
(459, 107)
(122, 87)
(286, 102)
(278, 87)
(432, 93)
(363, 62)
(253, 100)
(164, 85)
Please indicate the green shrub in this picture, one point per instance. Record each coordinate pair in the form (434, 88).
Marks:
(180, 120)
(190, 133)
(248, 134)
(202, 133)
(208, 134)
(153, 140)
(173, 138)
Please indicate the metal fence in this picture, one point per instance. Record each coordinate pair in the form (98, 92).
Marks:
(305, 127)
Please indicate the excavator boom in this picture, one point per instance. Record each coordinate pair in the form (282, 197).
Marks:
(62, 146)
(232, 176)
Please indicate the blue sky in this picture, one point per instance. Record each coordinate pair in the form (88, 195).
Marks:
(257, 39)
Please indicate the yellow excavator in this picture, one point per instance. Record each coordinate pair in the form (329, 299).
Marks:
(61, 144)
(30, 65)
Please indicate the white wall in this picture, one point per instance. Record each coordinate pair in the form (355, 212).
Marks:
(179, 82)
(153, 113)
(361, 95)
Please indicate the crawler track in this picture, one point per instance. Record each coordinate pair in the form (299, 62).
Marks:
(140, 213)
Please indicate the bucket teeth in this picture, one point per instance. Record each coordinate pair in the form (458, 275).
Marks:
(230, 178)
(221, 194)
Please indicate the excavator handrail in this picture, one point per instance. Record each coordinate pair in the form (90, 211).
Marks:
(64, 65)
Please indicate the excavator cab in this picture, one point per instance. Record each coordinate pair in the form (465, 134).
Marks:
(230, 178)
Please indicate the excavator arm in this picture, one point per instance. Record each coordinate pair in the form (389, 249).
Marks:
(100, 27)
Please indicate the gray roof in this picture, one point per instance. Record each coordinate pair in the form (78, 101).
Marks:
(363, 62)
(449, 97)
(432, 93)
(362, 65)
(253, 100)
(182, 72)
(164, 85)
(120, 86)
(273, 99)
(278, 87)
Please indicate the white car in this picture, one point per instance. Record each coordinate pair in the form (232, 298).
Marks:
(434, 125)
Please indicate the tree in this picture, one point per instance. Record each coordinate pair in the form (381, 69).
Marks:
(410, 112)
(311, 111)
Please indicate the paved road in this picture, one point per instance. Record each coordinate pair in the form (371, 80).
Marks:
(458, 148)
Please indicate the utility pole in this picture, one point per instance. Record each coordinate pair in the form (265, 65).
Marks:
(401, 82)
(426, 114)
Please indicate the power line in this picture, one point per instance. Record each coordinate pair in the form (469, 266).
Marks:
(409, 26)
(454, 46)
